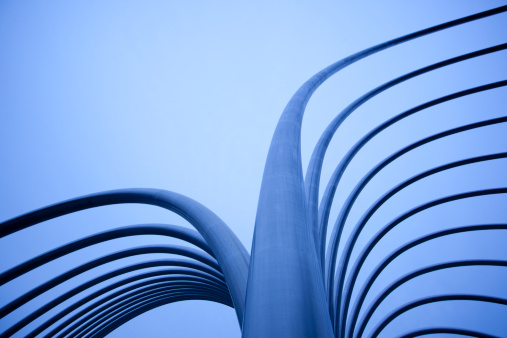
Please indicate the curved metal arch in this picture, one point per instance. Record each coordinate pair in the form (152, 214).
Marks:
(346, 207)
(432, 268)
(226, 247)
(174, 231)
(196, 269)
(382, 265)
(105, 311)
(139, 311)
(114, 317)
(168, 275)
(447, 330)
(282, 202)
(381, 233)
(319, 219)
(384, 198)
(329, 193)
(164, 249)
(429, 300)
(100, 308)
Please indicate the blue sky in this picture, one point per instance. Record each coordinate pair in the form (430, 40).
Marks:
(185, 96)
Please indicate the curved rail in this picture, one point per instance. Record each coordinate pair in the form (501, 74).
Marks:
(335, 292)
(163, 249)
(319, 218)
(393, 286)
(404, 248)
(410, 306)
(354, 272)
(168, 275)
(226, 247)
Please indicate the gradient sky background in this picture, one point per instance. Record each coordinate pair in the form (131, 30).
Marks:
(185, 96)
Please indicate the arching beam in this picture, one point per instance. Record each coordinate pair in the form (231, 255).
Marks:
(196, 295)
(327, 199)
(477, 298)
(404, 248)
(168, 275)
(160, 249)
(283, 239)
(168, 230)
(226, 247)
(102, 313)
(139, 310)
(319, 218)
(400, 281)
(354, 272)
(447, 330)
(335, 290)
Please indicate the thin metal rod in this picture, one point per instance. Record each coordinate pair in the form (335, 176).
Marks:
(429, 300)
(404, 248)
(208, 273)
(319, 218)
(226, 247)
(432, 268)
(161, 249)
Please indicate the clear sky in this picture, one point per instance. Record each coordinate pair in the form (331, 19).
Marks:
(185, 96)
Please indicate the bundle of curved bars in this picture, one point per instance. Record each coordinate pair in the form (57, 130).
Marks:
(290, 286)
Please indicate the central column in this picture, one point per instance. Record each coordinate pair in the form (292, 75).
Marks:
(285, 292)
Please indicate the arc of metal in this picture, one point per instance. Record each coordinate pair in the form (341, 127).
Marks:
(381, 233)
(429, 300)
(97, 327)
(105, 311)
(335, 290)
(162, 249)
(404, 248)
(168, 275)
(447, 330)
(187, 235)
(329, 193)
(140, 309)
(226, 247)
(319, 218)
(432, 268)
(282, 218)
(384, 198)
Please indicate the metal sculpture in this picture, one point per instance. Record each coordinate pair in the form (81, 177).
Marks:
(288, 287)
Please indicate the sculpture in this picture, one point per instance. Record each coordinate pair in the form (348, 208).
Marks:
(288, 287)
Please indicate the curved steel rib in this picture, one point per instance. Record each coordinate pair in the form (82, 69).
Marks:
(201, 271)
(169, 298)
(447, 330)
(165, 249)
(327, 199)
(381, 233)
(282, 231)
(386, 261)
(333, 246)
(169, 230)
(100, 314)
(319, 218)
(410, 306)
(393, 286)
(226, 247)
(122, 319)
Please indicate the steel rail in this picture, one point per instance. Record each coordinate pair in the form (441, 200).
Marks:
(160, 249)
(335, 290)
(402, 249)
(457, 297)
(226, 247)
(327, 199)
(319, 218)
(381, 233)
